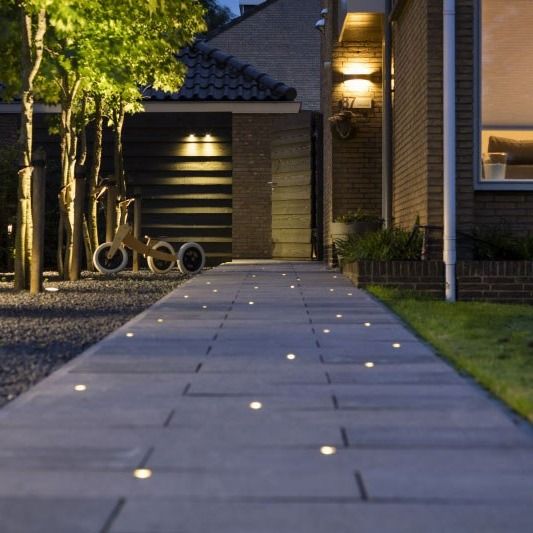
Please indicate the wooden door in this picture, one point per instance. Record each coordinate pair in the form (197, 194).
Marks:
(292, 175)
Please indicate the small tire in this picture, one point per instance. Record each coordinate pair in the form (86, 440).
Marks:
(158, 266)
(191, 258)
(109, 266)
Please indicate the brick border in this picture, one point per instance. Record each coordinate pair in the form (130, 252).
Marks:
(493, 281)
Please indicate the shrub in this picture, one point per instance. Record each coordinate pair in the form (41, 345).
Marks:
(391, 244)
(498, 243)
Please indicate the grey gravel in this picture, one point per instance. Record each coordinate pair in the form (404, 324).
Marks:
(40, 333)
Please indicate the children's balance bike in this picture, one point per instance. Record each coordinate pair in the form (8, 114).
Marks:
(112, 257)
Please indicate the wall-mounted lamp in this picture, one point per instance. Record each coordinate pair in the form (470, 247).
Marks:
(320, 25)
(373, 77)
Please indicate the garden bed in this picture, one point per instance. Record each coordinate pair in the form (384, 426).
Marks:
(40, 333)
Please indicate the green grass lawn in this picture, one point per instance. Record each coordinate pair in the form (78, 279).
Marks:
(492, 342)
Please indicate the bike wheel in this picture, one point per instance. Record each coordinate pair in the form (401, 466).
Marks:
(191, 258)
(109, 266)
(159, 266)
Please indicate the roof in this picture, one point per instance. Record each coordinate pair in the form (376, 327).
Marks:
(279, 37)
(213, 75)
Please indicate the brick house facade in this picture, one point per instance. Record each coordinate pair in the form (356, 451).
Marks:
(416, 117)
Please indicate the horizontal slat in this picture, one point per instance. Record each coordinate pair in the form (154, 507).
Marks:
(290, 165)
(291, 221)
(177, 149)
(187, 210)
(292, 251)
(292, 207)
(194, 180)
(291, 235)
(188, 197)
(187, 226)
(137, 165)
(302, 192)
(292, 179)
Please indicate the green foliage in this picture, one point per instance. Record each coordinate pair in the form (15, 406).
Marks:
(391, 244)
(499, 243)
(357, 216)
(215, 14)
(492, 342)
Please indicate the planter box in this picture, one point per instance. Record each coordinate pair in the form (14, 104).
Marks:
(496, 281)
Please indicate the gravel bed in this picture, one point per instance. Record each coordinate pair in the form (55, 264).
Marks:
(40, 333)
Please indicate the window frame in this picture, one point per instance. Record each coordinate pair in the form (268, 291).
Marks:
(479, 184)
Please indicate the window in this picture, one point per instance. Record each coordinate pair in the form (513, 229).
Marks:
(506, 93)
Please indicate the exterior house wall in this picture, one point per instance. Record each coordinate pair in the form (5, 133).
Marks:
(352, 167)
(280, 38)
(252, 190)
(412, 126)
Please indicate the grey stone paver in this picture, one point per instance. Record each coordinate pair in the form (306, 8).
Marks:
(419, 447)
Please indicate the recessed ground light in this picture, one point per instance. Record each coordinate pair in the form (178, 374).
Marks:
(328, 450)
(208, 283)
(51, 289)
(251, 303)
(204, 306)
(291, 356)
(130, 334)
(338, 316)
(331, 290)
(253, 276)
(215, 290)
(256, 405)
(256, 287)
(284, 274)
(80, 388)
(298, 279)
(369, 364)
(367, 324)
(326, 331)
(334, 277)
(349, 294)
(292, 286)
(396, 345)
(160, 320)
(185, 295)
(142, 473)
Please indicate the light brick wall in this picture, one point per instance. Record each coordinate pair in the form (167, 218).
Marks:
(252, 192)
(352, 167)
(281, 40)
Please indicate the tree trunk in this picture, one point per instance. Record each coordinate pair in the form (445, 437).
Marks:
(118, 156)
(77, 225)
(38, 213)
(31, 57)
(69, 143)
(94, 176)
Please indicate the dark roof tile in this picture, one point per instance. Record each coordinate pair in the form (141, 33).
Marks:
(216, 76)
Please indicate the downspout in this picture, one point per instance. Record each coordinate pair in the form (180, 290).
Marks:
(449, 146)
(386, 150)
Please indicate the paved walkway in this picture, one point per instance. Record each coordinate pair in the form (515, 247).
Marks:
(171, 394)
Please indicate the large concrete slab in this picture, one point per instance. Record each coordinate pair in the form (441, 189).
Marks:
(417, 447)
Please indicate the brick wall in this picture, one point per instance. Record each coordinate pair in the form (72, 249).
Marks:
(356, 162)
(411, 108)
(281, 40)
(352, 167)
(493, 281)
(252, 171)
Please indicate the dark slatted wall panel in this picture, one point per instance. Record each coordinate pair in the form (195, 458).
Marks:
(183, 165)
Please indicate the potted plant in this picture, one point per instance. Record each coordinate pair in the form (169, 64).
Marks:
(355, 222)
